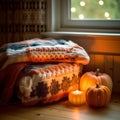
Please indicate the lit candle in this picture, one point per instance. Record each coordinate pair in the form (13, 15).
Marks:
(76, 97)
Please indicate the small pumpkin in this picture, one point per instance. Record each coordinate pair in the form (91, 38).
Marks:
(98, 96)
(76, 97)
(90, 78)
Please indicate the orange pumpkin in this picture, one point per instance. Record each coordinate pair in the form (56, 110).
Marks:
(76, 97)
(98, 96)
(91, 78)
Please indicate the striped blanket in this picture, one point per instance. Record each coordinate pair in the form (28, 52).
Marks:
(39, 50)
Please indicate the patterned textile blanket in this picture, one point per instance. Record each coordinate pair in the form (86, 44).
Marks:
(39, 50)
(46, 83)
(39, 70)
(40, 82)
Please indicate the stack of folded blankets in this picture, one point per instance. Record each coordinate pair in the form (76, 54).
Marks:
(40, 70)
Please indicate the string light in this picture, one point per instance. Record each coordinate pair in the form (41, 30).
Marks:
(101, 2)
(81, 16)
(106, 14)
(73, 9)
(82, 3)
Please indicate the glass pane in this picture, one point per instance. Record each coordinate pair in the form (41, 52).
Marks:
(95, 9)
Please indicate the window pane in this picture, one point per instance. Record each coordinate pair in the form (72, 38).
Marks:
(95, 9)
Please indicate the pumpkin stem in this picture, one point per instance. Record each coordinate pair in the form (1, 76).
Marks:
(97, 85)
(97, 72)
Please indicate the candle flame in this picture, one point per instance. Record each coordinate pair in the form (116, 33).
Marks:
(77, 92)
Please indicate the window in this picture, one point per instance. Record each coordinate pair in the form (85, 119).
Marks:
(63, 19)
(95, 9)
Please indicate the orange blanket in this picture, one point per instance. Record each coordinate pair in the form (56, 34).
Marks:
(8, 78)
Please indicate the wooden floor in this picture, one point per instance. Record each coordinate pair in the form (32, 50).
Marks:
(61, 111)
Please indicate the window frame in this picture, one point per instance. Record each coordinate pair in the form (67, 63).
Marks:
(58, 19)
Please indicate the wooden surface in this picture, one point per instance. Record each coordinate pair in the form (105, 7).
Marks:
(61, 111)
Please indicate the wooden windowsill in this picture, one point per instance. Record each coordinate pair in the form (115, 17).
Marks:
(59, 33)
